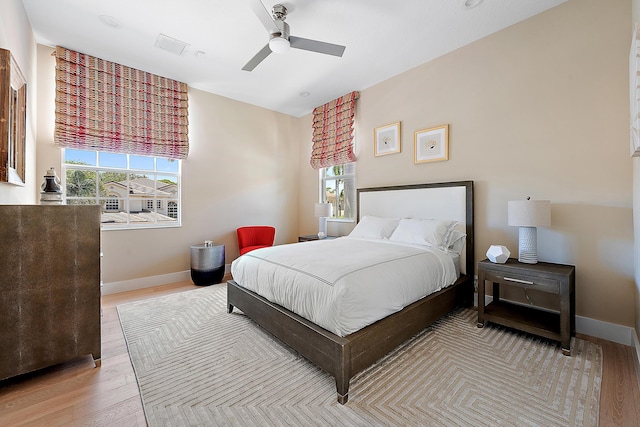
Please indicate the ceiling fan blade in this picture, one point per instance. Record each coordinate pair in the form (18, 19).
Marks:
(263, 15)
(316, 46)
(258, 58)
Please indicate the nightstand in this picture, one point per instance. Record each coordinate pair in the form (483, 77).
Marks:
(310, 237)
(555, 279)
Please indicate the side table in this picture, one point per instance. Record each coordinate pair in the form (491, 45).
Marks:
(555, 279)
(207, 263)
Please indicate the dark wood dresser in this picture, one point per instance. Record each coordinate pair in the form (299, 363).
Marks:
(49, 286)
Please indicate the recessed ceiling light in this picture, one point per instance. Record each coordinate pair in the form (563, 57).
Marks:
(110, 21)
(470, 4)
(304, 94)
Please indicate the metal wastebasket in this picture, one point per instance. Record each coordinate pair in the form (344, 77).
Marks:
(207, 263)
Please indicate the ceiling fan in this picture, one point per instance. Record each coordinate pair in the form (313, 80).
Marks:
(280, 39)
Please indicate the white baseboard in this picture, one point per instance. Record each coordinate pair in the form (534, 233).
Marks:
(149, 282)
(605, 330)
(596, 328)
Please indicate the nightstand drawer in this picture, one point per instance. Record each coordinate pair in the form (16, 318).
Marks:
(522, 280)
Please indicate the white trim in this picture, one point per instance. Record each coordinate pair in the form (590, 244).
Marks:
(605, 330)
(151, 281)
(620, 334)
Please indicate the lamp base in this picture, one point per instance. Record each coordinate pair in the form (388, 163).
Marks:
(528, 245)
(322, 227)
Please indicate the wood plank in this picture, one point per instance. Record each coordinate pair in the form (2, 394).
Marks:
(620, 395)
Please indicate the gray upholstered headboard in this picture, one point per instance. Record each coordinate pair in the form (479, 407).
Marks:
(444, 200)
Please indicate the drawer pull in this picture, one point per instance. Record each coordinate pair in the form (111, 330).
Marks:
(525, 282)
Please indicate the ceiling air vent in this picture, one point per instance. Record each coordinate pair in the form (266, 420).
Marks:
(170, 44)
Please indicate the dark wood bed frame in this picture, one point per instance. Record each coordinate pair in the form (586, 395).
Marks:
(344, 357)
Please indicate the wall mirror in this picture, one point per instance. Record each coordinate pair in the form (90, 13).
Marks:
(13, 120)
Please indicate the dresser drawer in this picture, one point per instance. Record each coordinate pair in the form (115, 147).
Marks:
(525, 281)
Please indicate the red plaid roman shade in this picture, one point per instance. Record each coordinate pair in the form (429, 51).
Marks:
(104, 106)
(333, 132)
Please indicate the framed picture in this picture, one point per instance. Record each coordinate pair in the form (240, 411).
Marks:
(386, 139)
(431, 145)
(13, 118)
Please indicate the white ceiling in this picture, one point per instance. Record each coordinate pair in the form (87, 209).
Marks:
(382, 39)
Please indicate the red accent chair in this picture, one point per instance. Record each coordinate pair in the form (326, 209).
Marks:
(255, 237)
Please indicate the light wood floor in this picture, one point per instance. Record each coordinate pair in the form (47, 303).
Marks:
(77, 394)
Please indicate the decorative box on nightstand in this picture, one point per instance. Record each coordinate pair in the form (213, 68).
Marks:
(555, 279)
(310, 237)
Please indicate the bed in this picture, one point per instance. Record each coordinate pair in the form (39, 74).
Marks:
(345, 356)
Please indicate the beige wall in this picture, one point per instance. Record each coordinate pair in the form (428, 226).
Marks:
(539, 109)
(241, 170)
(17, 37)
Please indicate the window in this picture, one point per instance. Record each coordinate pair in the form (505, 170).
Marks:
(125, 185)
(338, 187)
(172, 209)
(112, 204)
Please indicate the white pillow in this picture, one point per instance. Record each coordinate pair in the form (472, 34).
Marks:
(426, 232)
(372, 227)
(456, 242)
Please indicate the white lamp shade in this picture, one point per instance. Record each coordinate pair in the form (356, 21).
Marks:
(323, 210)
(529, 213)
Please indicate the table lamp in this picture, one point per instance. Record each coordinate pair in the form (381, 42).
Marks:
(529, 214)
(322, 211)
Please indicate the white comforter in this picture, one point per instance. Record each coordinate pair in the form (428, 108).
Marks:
(344, 284)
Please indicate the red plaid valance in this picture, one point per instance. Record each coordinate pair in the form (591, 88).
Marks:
(101, 105)
(333, 132)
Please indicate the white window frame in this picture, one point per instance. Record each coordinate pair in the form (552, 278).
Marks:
(124, 203)
(350, 175)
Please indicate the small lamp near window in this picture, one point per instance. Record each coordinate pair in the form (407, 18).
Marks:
(529, 214)
(322, 211)
(51, 191)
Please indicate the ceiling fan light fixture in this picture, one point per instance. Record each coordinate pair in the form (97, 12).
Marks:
(280, 40)
(279, 44)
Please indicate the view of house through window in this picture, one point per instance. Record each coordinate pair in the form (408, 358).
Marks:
(338, 187)
(133, 191)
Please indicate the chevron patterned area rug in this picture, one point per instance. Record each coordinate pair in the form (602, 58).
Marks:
(198, 365)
